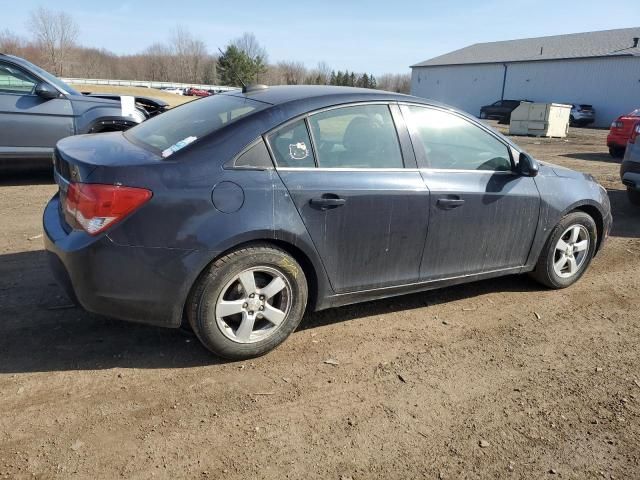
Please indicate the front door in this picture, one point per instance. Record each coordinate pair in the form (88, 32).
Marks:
(29, 125)
(483, 216)
(366, 214)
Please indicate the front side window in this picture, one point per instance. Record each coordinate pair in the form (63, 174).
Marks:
(291, 146)
(451, 142)
(361, 136)
(13, 80)
(173, 130)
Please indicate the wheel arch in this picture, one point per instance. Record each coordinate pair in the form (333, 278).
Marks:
(597, 216)
(313, 271)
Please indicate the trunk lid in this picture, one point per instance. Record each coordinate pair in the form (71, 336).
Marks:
(77, 159)
(628, 124)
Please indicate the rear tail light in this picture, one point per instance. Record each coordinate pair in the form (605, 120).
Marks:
(96, 207)
(635, 133)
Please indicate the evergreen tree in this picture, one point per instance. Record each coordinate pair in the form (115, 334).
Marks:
(235, 66)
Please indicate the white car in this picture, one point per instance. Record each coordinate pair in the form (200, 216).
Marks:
(177, 91)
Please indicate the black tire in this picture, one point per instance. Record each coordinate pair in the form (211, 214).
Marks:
(505, 119)
(544, 271)
(572, 121)
(633, 195)
(616, 152)
(201, 306)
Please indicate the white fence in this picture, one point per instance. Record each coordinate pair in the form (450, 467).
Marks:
(144, 83)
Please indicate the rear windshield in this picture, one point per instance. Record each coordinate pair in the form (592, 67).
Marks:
(169, 132)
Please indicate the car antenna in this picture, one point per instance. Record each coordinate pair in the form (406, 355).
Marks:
(235, 74)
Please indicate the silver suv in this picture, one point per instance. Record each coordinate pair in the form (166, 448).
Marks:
(582, 115)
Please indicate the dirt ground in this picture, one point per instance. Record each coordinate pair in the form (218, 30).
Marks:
(497, 379)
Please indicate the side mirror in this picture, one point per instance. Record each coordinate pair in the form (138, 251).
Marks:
(46, 91)
(527, 166)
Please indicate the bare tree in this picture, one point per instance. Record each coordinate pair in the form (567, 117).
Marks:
(10, 42)
(292, 73)
(321, 75)
(155, 62)
(56, 33)
(395, 82)
(190, 56)
(248, 43)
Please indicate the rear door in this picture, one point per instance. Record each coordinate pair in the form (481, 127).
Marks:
(483, 216)
(359, 193)
(29, 125)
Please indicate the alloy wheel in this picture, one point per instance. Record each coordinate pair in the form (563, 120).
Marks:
(253, 305)
(571, 251)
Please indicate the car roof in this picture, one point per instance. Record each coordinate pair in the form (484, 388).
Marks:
(278, 95)
(13, 58)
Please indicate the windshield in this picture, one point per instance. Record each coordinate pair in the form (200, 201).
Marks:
(55, 81)
(177, 128)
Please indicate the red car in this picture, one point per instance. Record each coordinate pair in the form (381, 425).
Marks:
(620, 133)
(196, 92)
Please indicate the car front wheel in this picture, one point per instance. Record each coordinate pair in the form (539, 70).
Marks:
(248, 302)
(568, 251)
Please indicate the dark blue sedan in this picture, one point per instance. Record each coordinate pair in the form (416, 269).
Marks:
(241, 211)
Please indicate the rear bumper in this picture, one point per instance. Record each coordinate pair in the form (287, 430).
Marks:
(583, 118)
(619, 141)
(146, 285)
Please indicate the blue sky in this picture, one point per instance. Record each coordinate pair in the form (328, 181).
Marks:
(374, 36)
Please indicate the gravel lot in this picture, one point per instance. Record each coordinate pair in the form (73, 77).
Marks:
(497, 379)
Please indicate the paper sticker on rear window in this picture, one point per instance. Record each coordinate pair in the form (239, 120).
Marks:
(177, 146)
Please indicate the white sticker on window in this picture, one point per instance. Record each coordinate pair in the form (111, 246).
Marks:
(177, 146)
(298, 151)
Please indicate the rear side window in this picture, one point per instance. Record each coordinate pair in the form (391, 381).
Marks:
(173, 130)
(291, 146)
(13, 80)
(451, 142)
(362, 136)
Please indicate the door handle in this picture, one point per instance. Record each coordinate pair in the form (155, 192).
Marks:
(327, 201)
(450, 203)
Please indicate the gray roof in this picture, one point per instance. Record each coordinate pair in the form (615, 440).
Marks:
(605, 43)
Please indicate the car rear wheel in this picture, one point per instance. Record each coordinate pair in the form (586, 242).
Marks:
(616, 152)
(568, 251)
(248, 302)
(634, 196)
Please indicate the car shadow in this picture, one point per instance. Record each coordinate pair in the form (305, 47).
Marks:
(40, 173)
(593, 157)
(41, 331)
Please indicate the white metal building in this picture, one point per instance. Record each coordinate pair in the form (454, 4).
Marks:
(597, 68)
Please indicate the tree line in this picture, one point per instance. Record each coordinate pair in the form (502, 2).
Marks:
(184, 58)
